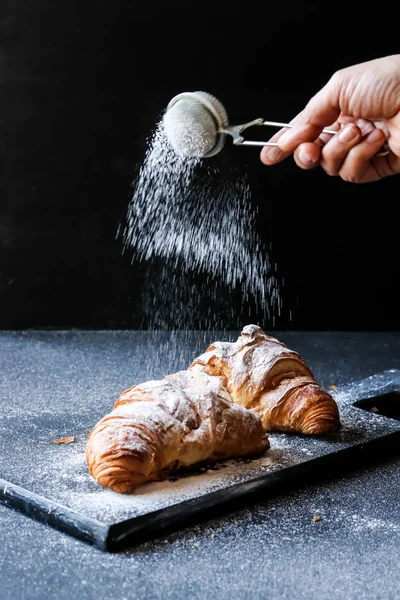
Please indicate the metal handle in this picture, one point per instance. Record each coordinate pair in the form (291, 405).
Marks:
(236, 130)
(275, 124)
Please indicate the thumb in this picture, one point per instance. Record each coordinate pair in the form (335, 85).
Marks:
(324, 108)
(321, 111)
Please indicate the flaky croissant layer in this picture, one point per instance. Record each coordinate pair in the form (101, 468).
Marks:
(274, 382)
(158, 427)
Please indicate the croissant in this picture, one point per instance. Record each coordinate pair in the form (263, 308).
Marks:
(158, 427)
(263, 375)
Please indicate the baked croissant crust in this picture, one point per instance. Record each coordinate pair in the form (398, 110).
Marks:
(159, 426)
(263, 375)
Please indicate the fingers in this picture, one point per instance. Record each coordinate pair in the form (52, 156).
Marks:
(271, 155)
(350, 154)
(320, 111)
(300, 134)
(356, 164)
(337, 149)
(308, 156)
(307, 143)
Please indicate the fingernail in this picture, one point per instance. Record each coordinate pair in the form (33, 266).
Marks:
(273, 153)
(374, 135)
(347, 134)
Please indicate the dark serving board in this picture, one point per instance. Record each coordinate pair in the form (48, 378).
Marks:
(50, 482)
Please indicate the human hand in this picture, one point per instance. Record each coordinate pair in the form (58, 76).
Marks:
(362, 103)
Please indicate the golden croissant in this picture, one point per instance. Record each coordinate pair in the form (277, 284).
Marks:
(263, 375)
(159, 426)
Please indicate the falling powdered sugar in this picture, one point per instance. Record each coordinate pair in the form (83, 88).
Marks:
(195, 220)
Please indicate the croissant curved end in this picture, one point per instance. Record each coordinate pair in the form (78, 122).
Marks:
(321, 417)
(318, 422)
(307, 409)
(117, 457)
(118, 473)
(114, 477)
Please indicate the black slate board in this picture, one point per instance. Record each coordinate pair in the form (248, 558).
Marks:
(50, 482)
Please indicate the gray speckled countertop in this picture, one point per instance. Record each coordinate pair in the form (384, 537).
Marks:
(271, 549)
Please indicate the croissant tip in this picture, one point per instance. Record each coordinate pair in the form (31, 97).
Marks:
(122, 487)
(321, 426)
(252, 331)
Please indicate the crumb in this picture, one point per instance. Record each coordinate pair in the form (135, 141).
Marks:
(333, 387)
(212, 536)
(287, 539)
(316, 518)
(65, 440)
(374, 409)
(196, 544)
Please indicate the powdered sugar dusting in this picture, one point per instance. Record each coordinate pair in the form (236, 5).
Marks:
(113, 507)
(61, 473)
(190, 220)
(251, 357)
(361, 523)
(173, 424)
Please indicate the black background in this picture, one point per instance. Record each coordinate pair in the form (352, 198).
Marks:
(81, 87)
